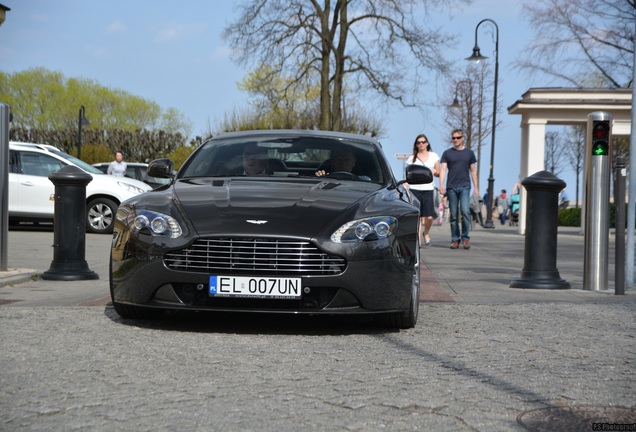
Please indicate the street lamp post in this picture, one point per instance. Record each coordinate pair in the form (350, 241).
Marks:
(466, 127)
(456, 103)
(82, 121)
(476, 56)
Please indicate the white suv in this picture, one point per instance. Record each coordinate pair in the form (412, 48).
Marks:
(31, 193)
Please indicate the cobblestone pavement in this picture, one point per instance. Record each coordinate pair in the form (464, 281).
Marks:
(464, 367)
(476, 360)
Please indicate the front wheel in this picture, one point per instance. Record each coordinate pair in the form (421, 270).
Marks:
(408, 319)
(100, 216)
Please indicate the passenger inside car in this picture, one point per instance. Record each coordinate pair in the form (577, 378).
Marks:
(254, 160)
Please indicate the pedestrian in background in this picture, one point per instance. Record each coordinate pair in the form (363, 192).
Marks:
(424, 155)
(564, 199)
(117, 167)
(475, 209)
(503, 204)
(457, 170)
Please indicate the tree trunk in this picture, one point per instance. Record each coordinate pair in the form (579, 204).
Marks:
(339, 55)
(325, 97)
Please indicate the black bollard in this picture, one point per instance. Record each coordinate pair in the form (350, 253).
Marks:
(69, 227)
(539, 269)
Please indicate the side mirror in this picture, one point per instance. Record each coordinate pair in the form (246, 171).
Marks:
(417, 174)
(162, 168)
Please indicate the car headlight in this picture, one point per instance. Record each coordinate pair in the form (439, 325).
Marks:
(367, 229)
(158, 223)
(131, 188)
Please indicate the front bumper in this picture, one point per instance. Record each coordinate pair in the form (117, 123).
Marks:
(379, 283)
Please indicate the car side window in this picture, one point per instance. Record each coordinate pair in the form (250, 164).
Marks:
(130, 172)
(38, 164)
(13, 163)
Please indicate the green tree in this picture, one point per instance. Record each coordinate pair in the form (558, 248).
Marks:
(180, 154)
(45, 108)
(280, 102)
(47, 100)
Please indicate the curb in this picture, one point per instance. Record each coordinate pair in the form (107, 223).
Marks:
(17, 276)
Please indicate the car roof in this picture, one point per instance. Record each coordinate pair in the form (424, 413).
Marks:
(299, 133)
(45, 147)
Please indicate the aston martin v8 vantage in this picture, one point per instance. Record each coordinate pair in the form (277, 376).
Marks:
(283, 221)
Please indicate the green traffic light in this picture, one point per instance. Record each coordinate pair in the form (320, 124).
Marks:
(599, 148)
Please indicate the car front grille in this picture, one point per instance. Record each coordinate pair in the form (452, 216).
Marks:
(265, 256)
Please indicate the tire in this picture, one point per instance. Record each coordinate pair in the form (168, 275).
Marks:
(130, 311)
(136, 312)
(100, 216)
(408, 319)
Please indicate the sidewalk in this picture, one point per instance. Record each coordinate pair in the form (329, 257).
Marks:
(479, 275)
(483, 273)
(31, 252)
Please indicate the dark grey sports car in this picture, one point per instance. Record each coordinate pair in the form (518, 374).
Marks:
(272, 221)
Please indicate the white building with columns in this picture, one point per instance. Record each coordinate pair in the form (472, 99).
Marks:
(540, 107)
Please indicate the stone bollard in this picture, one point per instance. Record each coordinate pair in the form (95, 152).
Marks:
(539, 269)
(69, 227)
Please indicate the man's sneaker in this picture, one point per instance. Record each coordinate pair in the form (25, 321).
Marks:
(454, 245)
(466, 244)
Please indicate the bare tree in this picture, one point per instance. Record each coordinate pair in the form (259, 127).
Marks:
(473, 111)
(575, 147)
(578, 39)
(554, 153)
(381, 46)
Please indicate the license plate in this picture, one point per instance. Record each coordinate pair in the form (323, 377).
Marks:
(262, 287)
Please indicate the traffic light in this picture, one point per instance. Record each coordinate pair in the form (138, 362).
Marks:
(600, 138)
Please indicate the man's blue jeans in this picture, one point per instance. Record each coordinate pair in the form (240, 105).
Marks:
(459, 201)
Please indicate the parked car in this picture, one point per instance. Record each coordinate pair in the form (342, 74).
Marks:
(31, 193)
(281, 239)
(136, 170)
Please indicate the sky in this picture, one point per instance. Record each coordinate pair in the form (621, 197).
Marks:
(176, 57)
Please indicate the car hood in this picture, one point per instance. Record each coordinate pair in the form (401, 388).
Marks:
(268, 206)
(113, 179)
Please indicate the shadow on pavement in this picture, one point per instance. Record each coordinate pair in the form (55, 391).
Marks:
(256, 323)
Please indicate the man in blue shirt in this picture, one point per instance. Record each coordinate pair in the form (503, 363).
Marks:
(460, 162)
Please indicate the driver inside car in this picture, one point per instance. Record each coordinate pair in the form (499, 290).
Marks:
(342, 160)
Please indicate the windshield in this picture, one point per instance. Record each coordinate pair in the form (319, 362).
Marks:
(75, 161)
(287, 156)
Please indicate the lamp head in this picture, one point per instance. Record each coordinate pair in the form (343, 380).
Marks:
(476, 56)
(83, 120)
(455, 103)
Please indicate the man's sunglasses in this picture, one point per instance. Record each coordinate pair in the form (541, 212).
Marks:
(457, 138)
